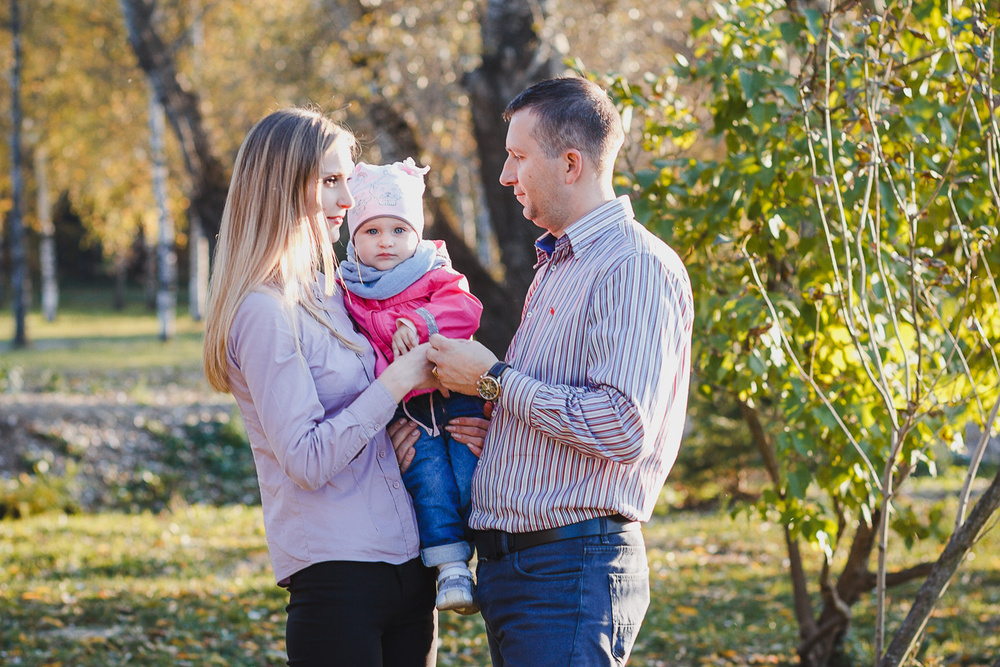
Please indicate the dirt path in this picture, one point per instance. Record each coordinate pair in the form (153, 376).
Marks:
(108, 438)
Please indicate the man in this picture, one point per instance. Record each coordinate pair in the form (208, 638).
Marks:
(590, 404)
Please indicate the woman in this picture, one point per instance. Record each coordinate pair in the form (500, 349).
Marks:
(340, 525)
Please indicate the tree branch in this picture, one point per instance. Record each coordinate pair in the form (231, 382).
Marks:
(208, 180)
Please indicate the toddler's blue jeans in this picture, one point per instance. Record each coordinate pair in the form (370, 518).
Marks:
(440, 477)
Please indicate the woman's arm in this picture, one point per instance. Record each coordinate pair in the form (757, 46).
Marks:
(312, 438)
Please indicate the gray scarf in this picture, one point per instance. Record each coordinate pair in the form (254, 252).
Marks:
(371, 283)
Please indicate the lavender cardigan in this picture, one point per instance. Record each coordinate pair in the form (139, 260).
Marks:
(329, 482)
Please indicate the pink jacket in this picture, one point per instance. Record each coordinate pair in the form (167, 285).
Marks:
(438, 302)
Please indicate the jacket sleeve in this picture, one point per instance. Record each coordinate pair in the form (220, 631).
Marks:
(366, 315)
(452, 310)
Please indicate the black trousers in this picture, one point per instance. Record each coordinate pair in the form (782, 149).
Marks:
(362, 615)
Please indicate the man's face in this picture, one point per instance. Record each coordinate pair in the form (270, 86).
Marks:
(539, 181)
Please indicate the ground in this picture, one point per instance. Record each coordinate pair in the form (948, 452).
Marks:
(113, 442)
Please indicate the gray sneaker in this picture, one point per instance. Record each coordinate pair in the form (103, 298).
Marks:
(456, 593)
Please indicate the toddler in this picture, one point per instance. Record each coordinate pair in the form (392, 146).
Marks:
(400, 290)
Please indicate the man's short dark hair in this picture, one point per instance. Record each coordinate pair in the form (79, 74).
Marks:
(572, 112)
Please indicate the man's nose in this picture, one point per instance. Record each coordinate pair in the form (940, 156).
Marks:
(506, 177)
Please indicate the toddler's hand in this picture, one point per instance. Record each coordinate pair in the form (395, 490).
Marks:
(405, 339)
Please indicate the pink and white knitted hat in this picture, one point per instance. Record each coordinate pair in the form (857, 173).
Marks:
(393, 190)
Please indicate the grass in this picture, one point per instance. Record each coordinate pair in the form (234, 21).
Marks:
(88, 346)
(192, 586)
(184, 578)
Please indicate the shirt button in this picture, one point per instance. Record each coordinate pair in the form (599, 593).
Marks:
(382, 454)
(552, 268)
(529, 314)
(395, 485)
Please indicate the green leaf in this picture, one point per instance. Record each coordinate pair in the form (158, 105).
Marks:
(799, 480)
(789, 93)
(791, 31)
(751, 83)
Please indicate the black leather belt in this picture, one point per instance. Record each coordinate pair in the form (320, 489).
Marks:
(493, 544)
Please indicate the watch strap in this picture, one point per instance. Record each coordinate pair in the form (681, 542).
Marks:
(497, 369)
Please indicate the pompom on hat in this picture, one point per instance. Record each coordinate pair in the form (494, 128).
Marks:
(393, 190)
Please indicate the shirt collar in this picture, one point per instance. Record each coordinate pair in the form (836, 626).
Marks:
(582, 233)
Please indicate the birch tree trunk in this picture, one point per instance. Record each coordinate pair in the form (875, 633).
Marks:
(166, 258)
(198, 262)
(47, 245)
(17, 254)
(198, 251)
(148, 267)
(208, 181)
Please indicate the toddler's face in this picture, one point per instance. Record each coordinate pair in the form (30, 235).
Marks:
(382, 243)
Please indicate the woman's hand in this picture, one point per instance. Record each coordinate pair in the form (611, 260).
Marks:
(408, 372)
(404, 434)
(471, 431)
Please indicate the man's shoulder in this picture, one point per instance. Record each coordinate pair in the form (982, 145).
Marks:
(627, 238)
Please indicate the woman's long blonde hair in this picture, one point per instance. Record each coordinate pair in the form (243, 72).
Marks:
(273, 233)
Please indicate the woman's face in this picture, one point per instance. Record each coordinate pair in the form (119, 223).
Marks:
(336, 166)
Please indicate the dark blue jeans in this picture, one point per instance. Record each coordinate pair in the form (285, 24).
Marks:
(574, 603)
(440, 477)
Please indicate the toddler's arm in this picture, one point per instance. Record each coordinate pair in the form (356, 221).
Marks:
(405, 338)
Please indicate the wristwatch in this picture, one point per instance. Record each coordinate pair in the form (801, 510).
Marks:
(488, 385)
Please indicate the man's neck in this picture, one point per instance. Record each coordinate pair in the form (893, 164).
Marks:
(588, 197)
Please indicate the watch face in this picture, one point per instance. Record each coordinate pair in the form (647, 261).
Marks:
(488, 388)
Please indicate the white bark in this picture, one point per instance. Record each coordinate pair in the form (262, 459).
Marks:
(198, 261)
(166, 289)
(47, 244)
(18, 259)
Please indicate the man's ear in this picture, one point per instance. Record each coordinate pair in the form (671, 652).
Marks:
(574, 165)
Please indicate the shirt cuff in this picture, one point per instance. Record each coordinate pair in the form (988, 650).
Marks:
(518, 392)
(375, 408)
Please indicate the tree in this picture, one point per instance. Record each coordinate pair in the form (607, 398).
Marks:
(47, 242)
(839, 220)
(19, 267)
(207, 176)
(519, 48)
(166, 261)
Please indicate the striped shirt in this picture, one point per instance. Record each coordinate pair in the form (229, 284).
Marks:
(591, 413)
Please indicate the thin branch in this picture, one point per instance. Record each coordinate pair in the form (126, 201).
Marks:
(802, 373)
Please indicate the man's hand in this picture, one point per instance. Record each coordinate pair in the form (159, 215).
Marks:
(459, 363)
(403, 434)
(405, 338)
